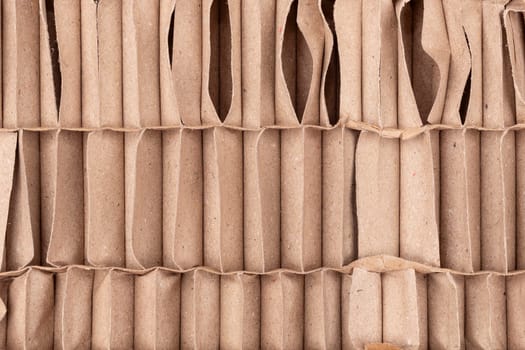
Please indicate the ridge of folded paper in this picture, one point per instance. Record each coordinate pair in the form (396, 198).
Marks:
(376, 264)
(387, 132)
(322, 309)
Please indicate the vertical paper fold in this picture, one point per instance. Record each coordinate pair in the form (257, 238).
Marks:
(157, 310)
(112, 315)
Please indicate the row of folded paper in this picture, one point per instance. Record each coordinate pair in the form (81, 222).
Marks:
(78, 308)
(260, 200)
(140, 63)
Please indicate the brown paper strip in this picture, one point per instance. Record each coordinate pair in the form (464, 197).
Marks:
(262, 224)
(377, 194)
(520, 198)
(464, 99)
(405, 309)
(30, 305)
(322, 314)
(299, 60)
(339, 220)
(419, 198)
(282, 311)
(460, 200)
(498, 201)
(20, 63)
(240, 321)
(101, 23)
(112, 310)
(169, 112)
(62, 209)
(200, 310)
(182, 199)
(104, 197)
(73, 309)
(8, 143)
(361, 309)
(515, 292)
(379, 63)
(446, 311)
(258, 68)
(301, 199)
(330, 74)
(23, 228)
(157, 310)
(187, 60)
(424, 57)
(221, 62)
(498, 93)
(60, 63)
(223, 201)
(140, 62)
(143, 163)
(515, 31)
(348, 29)
(4, 292)
(485, 321)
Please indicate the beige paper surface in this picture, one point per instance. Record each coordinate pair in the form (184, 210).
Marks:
(515, 327)
(262, 215)
(339, 221)
(405, 309)
(73, 305)
(157, 310)
(104, 198)
(322, 313)
(182, 205)
(361, 309)
(301, 199)
(446, 311)
(348, 30)
(30, 305)
(282, 311)
(240, 308)
(112, 319)
(485, 316)
(223, 199)
(23, 229)
(200, 310)
(8, 144)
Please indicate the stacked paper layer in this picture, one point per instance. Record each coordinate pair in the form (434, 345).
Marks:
(274, 174)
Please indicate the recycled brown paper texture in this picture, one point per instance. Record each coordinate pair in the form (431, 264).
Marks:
(200, 310)
(261, 157)
(104, 186)
(514, 294)
(240, 309)
(485, 312)
(299, 51)
(514, 30)
(182, 182)
(73, 305)
(460, 149)
(446, 311)
(405, 309)
(322, 311)
(30, 301)
(423, 50)
(282, 311)
(498, 168)
(113, 308)
(361, 309)
(157, 310)
(339, 221)
(285, 174)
